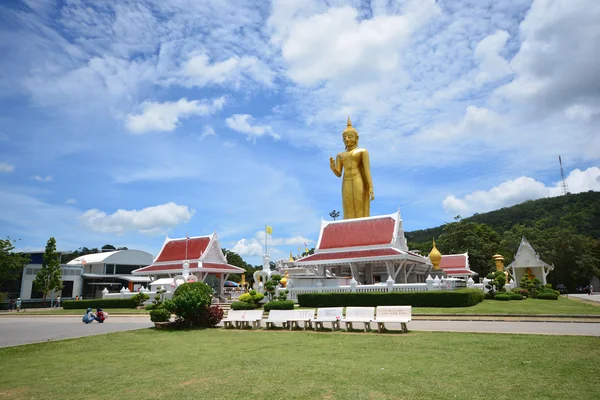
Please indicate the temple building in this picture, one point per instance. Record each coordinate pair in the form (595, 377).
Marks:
(200, 256)
(367, 250)
(527, 263)
(457, 266)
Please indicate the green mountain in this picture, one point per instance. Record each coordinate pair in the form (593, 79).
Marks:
(578, 213)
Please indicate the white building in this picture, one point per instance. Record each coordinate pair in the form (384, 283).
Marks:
(111, 270)
(527, 263)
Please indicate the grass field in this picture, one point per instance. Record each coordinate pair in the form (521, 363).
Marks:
(562, 306)
(218, 364)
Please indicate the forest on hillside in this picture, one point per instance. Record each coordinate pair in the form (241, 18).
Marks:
(565, 231)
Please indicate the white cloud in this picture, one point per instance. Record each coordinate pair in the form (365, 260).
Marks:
(71, 201)
(151, 220)
(517, 191)
(582, 112)
(492, 65)
(207, 131)
(200, 72)
(557, 63)
(4, 167)
(43, 179)
(165, 116)
(243, 123)
(255, 246)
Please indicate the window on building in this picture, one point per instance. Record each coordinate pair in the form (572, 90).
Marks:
(125, 269)
(109, 269)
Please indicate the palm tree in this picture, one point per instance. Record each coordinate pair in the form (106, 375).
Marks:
(334, 214)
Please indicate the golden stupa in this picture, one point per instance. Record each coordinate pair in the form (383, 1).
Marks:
(499, 262)
(435, 256)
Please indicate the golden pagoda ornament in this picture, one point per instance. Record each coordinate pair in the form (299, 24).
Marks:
(435, 257)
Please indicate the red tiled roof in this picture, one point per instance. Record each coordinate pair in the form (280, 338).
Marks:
(207, 267)
(352, 233)
(174, 250)
(352, 254)
(451, 261)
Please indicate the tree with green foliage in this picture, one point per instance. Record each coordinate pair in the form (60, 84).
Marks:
(236, 260)
(481, 241)
(11, 263)
(49, 277)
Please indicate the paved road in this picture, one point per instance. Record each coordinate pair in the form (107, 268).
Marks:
(23, 330)
(593, 297)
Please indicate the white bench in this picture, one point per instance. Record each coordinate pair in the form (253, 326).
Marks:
(298, 316)
(328, 314)
(362, 315)
(393, 314)
(243, 318)
(279, 316)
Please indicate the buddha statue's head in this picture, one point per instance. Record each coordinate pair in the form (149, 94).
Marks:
(350, 136)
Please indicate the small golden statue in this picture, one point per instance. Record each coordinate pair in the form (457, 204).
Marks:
(357, 185)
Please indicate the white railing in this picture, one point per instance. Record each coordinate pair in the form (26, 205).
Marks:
(430, 284)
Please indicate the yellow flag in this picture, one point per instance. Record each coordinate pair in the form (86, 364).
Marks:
(269, 230)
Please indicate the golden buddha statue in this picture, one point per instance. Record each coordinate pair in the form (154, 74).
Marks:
(357, 185)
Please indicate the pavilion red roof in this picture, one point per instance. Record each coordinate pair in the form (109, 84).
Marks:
(174, 249)
(454, 261)
(351, 254)
(353, 233)
(175, 267)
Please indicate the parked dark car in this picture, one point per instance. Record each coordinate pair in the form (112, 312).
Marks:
(562, 288)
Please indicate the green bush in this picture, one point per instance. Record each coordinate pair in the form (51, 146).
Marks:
(140, 298)
(252, 297)
(441, 298)
(160, 315)
(489, 296)
(102, 303)
(515, 296)
(279, 305)
(502, 296)
(151, 306)
(547, 296)
(242, 305)
(190, 303)
(521, 291)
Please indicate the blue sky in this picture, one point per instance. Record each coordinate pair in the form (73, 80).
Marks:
(125, 121)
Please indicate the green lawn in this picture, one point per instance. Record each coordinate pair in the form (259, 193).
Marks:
(60, 311)
(219, 364)
(562, 306)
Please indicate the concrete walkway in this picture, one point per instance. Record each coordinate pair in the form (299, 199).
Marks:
(25, 330)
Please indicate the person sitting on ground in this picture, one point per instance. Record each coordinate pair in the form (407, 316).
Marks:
(89, 316)
(100, 317)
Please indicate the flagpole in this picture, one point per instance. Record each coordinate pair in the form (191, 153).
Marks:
(187, 239)
(266, 234)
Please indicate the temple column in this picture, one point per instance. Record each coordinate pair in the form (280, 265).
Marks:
(353, 270)
(389, 266)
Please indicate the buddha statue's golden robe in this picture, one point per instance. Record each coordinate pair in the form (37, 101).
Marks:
(357, 185)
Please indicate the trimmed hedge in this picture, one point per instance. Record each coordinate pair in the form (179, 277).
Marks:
(441, 298)
(279, 305)
(515, 296)
(502, 296)
(241, 305)
(547, 296)
(102, 303)
(160, 315)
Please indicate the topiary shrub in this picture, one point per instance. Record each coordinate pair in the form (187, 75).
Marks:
(515, 296)
(242, 305)
(521, 291)
(279, 305)
(253, 298)
(547, 296)
(213, 316)
(489, 296)
(502, 296)
(190, 303)
(140, 298)
(160, 315)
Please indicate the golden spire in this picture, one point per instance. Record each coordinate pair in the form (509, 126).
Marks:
(349, 125)
(435, 256)
(291, 257)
